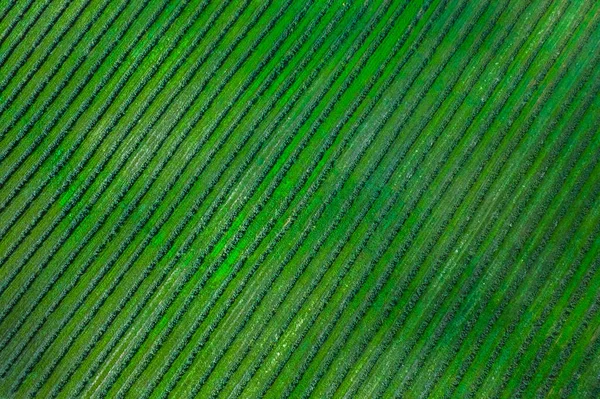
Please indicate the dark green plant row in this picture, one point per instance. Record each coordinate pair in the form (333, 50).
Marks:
(142, 168)
(42, 59)
(65, 235)
(486, 331)
(567, 351)
(425, 123)
(262, 235)
(299, 199)
(442, 297)
(303, 202)
(392, 168)
(66, 128)
(478, 273)
(14, 23)
(50, 149)
(451, 147)
(9, 7)
(277, 180)
(267, 226)
(114, 231)
(418, 290)
(439, 330)
(101, 220)
(80, 168)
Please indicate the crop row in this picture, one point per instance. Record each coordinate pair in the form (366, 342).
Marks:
(51, 49)
(142, 168)
(384, 179)
(478, 272)
(71, 259)
(285, 34)
(401, 219)
(163, 219)
(114, 147)
(24, 30)
(568, 350)
(444, 159)
(52, 46)
(369, 199)
(470, 326)
(499, 348)
(439, 330)
(130, 208)
(41, 239)
(276, 71)
(9, 7)
(235, 213)
(564, 206)
(24, 56)
(246, 254)
(73, 173)
(299, 240)
(591, 351)
(267, 226)
(107, 182)
(302, 204)
(91, 42)
(527, 377)
(428, 341)
(470, 358)
(98, 224)
(16, 214)
(147, 240)
(352, 196)
(150, 182)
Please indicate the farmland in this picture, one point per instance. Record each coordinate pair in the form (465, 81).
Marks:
(299, 199)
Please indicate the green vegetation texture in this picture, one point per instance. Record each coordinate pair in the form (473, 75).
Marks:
(300, 199)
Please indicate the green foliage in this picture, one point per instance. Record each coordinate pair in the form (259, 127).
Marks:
(299, 199)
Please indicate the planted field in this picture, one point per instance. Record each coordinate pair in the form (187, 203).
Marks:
(299, 199)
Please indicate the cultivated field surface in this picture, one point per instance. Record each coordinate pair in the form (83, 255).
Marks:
(300, 199)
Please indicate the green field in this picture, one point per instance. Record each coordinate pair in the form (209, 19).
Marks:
(300, 199)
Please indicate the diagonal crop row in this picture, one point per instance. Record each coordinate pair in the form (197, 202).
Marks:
(37, 13)
(40, 241)
(41, 59)
(141, 168)
(194, 208)
(442, 297)
(431, 343)
(292, 218)
(114, 230)
(38, 90)
(299, 124)
(315, 216)
(463, 369)
(69, 126)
